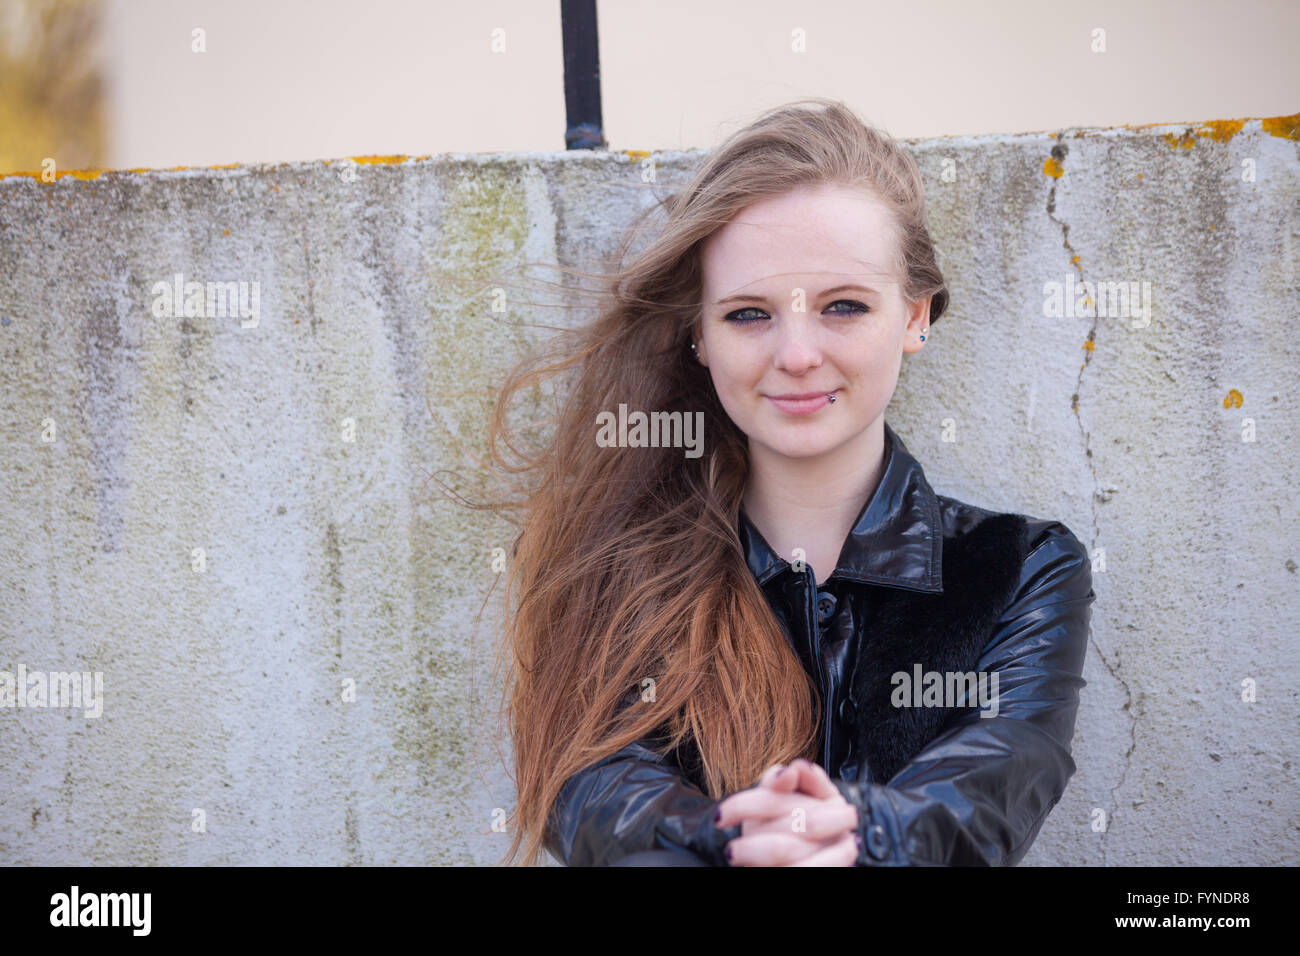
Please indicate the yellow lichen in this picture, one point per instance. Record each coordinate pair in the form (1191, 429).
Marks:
(386, 160)
(1288, 127)
(1221, 130)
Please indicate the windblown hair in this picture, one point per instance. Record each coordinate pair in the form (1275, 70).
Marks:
(637, 617)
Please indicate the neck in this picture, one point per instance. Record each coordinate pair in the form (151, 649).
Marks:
(817, 499)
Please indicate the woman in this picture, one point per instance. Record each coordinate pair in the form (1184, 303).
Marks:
(782, 648)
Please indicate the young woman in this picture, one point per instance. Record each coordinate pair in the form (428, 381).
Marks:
(780, 647)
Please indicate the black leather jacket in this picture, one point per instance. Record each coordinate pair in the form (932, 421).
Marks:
(924, 584)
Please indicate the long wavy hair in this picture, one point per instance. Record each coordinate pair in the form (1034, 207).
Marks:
(637, 617)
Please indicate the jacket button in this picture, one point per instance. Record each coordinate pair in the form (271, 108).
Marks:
(825, 605)
(877, 841)
(848, 712)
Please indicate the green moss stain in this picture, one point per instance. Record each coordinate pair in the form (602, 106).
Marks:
(439, 680)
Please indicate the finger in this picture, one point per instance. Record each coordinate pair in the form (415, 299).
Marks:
(766, 803)
(818, 820)
(842, 852)
(814, 780)
(773, 849)
(793, 812)
(770, 773)
(828, 827)
(760, 803)
(785, 780)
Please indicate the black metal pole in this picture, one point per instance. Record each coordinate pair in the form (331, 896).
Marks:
(585, 125)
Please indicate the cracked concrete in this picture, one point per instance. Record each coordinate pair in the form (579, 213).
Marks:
(235, 524)
(1055, 168)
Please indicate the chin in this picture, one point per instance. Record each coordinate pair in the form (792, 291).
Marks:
(795, 446)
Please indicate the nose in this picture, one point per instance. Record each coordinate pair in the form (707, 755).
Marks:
(797, 348)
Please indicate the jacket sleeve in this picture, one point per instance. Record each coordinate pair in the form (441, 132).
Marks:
(631, 801)
(978, 793)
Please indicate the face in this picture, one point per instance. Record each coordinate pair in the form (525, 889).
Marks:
(776, 320)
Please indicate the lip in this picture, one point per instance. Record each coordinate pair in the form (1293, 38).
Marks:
(804, 403)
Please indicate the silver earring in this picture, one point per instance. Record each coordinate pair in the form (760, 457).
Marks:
(695, 351)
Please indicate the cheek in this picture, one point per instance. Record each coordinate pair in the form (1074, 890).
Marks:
(735, 390)
(734, 372)
(867, 358)
(874, 378)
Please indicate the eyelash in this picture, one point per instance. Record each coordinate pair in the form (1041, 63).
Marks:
(858, 309)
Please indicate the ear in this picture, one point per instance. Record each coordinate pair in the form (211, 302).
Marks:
(918, 324)
(698, 339)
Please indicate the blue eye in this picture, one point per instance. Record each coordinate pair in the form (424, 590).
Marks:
(857, 307)
(731, 316)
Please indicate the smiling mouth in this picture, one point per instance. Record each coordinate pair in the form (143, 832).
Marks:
(803, 404)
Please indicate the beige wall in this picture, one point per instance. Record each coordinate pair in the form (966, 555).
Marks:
(293, 79)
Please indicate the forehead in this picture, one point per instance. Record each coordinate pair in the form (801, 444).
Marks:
(821, 232)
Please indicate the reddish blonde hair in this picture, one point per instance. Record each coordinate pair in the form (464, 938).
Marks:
(628, 565)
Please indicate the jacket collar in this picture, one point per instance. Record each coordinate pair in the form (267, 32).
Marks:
(897, 539)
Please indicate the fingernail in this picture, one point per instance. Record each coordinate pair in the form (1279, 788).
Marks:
(717, 814)
(728, 852)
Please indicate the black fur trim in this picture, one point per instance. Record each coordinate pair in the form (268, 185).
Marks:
(942, 632)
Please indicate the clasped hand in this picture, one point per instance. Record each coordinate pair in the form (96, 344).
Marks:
(773, 831)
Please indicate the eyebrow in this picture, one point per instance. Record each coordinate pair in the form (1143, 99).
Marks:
(749, 297)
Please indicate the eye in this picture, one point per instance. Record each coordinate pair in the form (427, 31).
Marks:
(740, 316)
(731, 317)
(856, 307)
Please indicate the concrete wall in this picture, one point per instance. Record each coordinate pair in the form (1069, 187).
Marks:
(296, 453)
